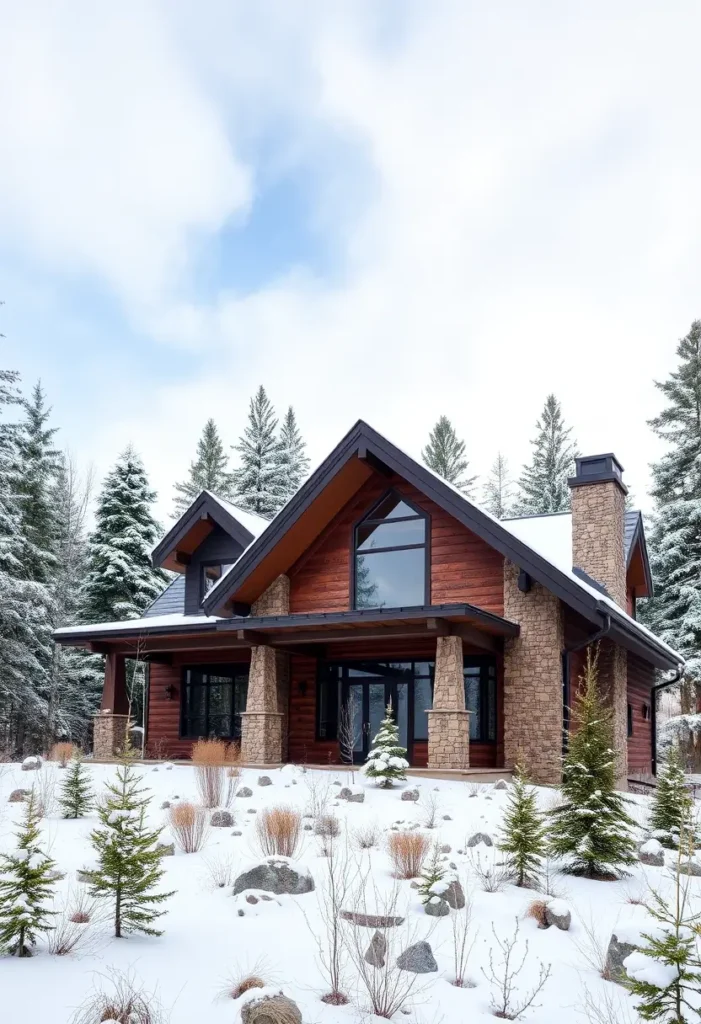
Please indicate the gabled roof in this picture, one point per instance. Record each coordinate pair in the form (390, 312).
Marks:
(170, 602)
(198, 521)
(362, 446)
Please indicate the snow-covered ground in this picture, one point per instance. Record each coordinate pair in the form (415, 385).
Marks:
(206, 943)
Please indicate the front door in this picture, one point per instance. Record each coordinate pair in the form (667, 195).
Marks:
(365, 703)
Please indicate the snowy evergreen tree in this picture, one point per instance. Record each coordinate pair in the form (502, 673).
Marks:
(675, 541)
(445, 455)
(432, 880)
(672, 806)
(76, 791)
(543, 483)
(26, 886)
(258, 481)
(121, 581)
(523, 837)
(129, 862)
(38, 467)
(387, 761)
(293, 459)
(498, 490)
(208, 472)
(591, 829)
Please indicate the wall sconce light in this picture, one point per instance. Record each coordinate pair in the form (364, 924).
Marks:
(303, 688)
(169, 691)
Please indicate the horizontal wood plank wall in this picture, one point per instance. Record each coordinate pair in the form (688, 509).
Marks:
(163, 724)
(641, 679)
(463, 567)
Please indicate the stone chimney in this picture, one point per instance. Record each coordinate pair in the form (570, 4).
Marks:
(598, 512)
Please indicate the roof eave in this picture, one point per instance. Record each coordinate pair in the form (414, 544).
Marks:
(204, 504)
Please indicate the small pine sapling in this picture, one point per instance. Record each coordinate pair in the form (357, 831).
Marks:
(26, 886)
(129, 860)
(671, 803)
(76, 792)
(432, 880)
(523, 833)
(591, 829)
(387, 761)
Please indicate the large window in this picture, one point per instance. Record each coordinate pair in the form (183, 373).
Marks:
(212, 572)
(213, 697)
(390, 556)
(481, 698)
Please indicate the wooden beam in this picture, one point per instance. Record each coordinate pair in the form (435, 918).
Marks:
(183, 557)
(305, 636)
(114, 690)
(470, 635)
(97, 647)
(253, 637)
(160, 659)
(371, 460)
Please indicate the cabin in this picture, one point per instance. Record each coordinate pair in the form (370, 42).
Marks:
(380, 583)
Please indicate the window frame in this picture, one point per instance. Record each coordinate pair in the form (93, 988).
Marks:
(483, 662)
(367, 517)
(221, 668)
(206, 564)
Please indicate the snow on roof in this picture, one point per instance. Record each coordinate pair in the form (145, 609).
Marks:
(549, 535)
(148, 624)
(255, 524)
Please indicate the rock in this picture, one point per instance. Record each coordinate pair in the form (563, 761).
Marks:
(276, 875)
(436, 907)
(308, 828)
(418, 959)
(31, 764)
(501, 784)
(237, 833)
(371, 920)
(240, 913)
(410, 794)
(652, 852)
(294, 782)
(17, 796)
(445, 848)
(414, 884)
(244, 792)
(615, 955)
(446, 817)
(479, 837)
(264, 780)
(222, 819)
(690, 867)
(165, 805)
(335, 783)
(454, 895)
(352, 795)
(166, 849)
(271, 1010)
(557, 913)
(377, 950)
(251, 810)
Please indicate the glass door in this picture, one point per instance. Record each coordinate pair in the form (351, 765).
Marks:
(365, 706)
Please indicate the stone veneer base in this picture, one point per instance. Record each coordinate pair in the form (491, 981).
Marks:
(109, 735)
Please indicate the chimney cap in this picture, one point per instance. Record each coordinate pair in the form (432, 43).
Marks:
(597, 469)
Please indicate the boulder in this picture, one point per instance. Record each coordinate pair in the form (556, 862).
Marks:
(410, 794)
(372, 920)
(353, 794)
(690, 867)
(479, 837)
(557, 914)
(244, 792)
(165, 805)
(237, 833)
(377, 950)
(251, 810)
(222, 819)
(652, 853)
(454, 895)
(276, 875)
(270, 1009)
(18, 796)
(166, 849)
(445, 848)
(436, 907)
(417, 958)
(31, 764)
(446, 817)
(336, 783)
(264, 780)
(501, 784)
(615, 955)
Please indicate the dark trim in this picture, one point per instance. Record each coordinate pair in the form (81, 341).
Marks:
(204, 506)
(204, 565)
(639, 538)
(597, 469)
(490, 530)
(94, 637)
(211, 669)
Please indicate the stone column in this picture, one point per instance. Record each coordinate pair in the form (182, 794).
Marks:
(109, 735)
(533, 679)
(448, 721)
(264, 722)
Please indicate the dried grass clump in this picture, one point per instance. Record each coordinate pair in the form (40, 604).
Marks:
(126, 1003)
(245, 985)
(408, 850)
(279, 831)
(189, 825)
(211, 758)
(327, 825)
(536, 910)
(221, 870)
(366, 836)
(62, 753)
(79, 917)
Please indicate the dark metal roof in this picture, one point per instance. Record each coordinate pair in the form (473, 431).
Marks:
(204, 506)
(171, 601)
(634, 533)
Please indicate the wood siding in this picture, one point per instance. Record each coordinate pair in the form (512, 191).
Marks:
(641, 679)
(464, 568)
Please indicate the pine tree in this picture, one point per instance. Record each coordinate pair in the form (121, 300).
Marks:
(76, 792)
(498, 489)
(523, 832)
(129, 861)
(432, 878)
(675, 541)
(543, 484)
(445, 455)
(258, 481)
(208, 472)
(120, 580)
(672, 806)
(591, 828)
(387, 760)
(293, 459)
(26, 886)
(38, 466)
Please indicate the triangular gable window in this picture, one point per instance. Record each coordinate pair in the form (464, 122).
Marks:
(390, 556)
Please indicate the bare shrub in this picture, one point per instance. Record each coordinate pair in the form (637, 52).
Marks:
(461, 921)
(318, 794)
(119, 999)
(473, 789)
(233, 781)
(633, 892)
(44, 790)
(72, 924)
(506, 1001)
(247, 976)
(62, 753)
(348, 732)
(550, 880)
(332, 953)
(430, 805)
(536, 909)
(210, 758)
(593, 947)
(407, 850)
(492, 875)
(366, 836)
(327, 825)
(189, 826)
(607, 1007)
(220, 870)
(279, 831)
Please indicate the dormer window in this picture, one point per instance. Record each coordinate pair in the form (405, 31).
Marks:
(390, 569)
(212, 572)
